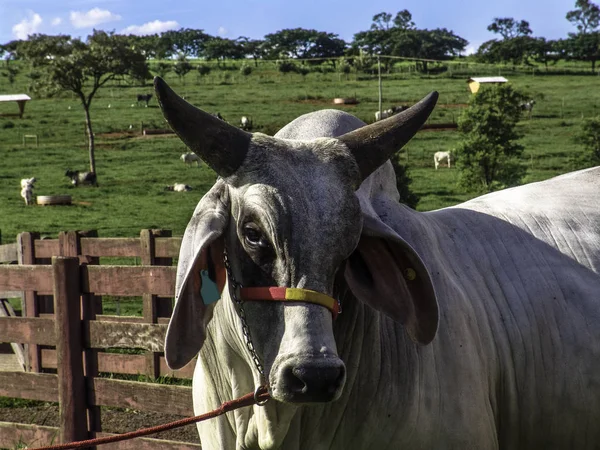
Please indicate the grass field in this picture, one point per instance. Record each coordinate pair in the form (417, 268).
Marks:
(133, 170)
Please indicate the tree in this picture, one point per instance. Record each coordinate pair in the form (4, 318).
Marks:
(187, 41)
(374, 42)
(545, 51)
(400, 38)
(584, 45)
(12, 50)
(488, 155)
(203, 70)
(380, 39)
(11, 73)
(586, 16)
(68, 64)
(182, 67)
(326, 45)
(147, 45)
(245, 70)
(286, 66)
(252, 47)
(162, 69)
(516, 50)
(589, 137)
(437, 44)
(403, 20)
(516, 46)
(509, 28)
(382, 21)
(221, 48)
(303, 43)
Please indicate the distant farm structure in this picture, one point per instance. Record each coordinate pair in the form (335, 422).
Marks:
(476, 82)
(19, 98)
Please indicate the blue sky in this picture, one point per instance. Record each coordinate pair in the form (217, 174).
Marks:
(255, 18)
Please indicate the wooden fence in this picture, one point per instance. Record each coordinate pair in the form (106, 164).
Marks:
(69, 333)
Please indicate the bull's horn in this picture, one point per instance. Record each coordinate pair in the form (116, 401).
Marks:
(222, 146)
(373, 144)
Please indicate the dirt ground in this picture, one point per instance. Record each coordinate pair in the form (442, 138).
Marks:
(114, 420)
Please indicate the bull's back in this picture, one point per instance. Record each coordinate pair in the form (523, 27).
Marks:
(538, 256)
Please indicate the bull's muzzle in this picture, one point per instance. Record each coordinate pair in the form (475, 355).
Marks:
(310, 381)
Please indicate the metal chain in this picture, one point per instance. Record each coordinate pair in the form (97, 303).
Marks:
(233, 292)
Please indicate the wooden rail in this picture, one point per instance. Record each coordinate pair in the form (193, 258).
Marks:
(152, 248)
(73, 338)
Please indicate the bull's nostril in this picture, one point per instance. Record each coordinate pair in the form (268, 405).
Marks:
(309, 383)
(294, 381)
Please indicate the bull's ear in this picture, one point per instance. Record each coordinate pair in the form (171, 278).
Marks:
(201, 252)
(386, 273)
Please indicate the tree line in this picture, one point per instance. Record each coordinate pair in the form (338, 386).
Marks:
(390, 35)
(62, 63)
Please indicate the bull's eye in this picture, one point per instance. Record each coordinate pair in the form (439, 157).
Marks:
(253, 236)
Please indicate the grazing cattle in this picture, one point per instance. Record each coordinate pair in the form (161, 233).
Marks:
(81, 178)
(440, 157)
(528, 106)
(389, 112)
(144, 98)
(246, 123)
(27, 185)
(191, 158)
(471, 327)
(178, 187)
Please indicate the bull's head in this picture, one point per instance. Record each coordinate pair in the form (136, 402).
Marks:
(287, 213)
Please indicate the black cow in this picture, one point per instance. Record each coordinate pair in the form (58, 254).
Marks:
(78, 177)
(144, 98)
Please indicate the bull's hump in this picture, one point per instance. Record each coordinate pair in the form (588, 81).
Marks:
(324, 123)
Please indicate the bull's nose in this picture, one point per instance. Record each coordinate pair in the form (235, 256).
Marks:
(313, 383)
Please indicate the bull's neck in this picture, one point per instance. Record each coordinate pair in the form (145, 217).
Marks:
(382, 365)
(372, 347)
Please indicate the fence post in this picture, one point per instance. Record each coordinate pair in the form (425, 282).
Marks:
(69, 349)
(154, 306)
(29, 301)
(70, 245)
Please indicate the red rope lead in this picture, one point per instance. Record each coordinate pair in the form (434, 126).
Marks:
(252, 398)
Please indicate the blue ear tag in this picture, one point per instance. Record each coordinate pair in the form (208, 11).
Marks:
(209, 291)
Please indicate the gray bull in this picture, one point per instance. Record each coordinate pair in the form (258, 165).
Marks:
(471, 327)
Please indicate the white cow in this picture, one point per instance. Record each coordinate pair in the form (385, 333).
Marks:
(246, 123)
(440, 157)
(389, 112)
(178, 187)
(27, 185)
(471, 327)
(191, 158)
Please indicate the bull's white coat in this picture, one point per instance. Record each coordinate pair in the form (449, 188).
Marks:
(515, 363)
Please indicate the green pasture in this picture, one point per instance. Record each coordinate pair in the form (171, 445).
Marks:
(134, 169)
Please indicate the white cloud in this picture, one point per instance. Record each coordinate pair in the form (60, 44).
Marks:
(93, 17)
(56, 21)
(27, 26)
(222, 31)
(155, 26)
